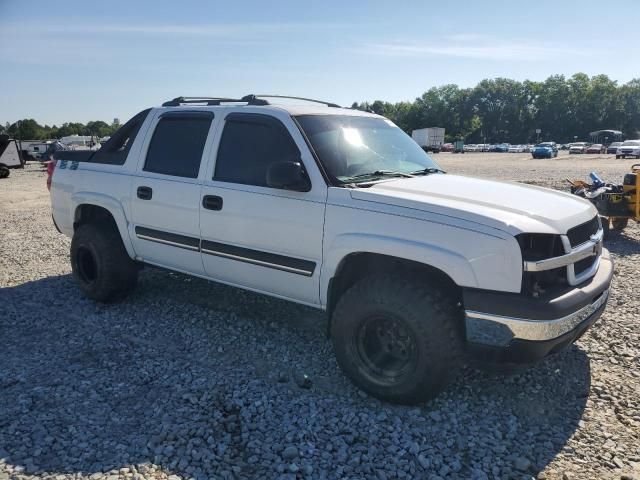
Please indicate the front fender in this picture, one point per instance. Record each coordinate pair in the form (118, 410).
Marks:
(113, 206)
(452, 263)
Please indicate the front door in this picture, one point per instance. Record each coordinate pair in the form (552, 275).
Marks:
(255, 236)
(166, 192)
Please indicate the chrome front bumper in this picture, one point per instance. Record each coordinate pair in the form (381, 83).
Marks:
(499, 331)
(501, 320)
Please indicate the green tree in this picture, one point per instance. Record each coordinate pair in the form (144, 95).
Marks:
(27, 129)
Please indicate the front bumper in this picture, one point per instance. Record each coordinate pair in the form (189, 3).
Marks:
(510, 328)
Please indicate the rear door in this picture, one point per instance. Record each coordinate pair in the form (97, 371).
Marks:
(166, 192)
(255, 236)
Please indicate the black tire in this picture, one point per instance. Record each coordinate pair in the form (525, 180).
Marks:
(100, 264)
(617, 157)
(605, 227)
(422, 325)
(619, 224)
(4, 171)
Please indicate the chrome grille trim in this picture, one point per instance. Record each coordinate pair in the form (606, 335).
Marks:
(590, 248)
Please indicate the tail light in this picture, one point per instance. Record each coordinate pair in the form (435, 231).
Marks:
(51, 166)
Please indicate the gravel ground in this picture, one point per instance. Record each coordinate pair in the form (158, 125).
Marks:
(188, 379)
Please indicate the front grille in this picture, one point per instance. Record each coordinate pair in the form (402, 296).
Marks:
(582, 233)
(583, 265)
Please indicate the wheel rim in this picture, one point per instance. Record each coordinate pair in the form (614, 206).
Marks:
(387, 349)
(87, 265)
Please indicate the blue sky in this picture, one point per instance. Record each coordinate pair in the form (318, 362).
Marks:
(83, 60)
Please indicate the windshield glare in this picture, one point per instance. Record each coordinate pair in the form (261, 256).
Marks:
(631, 143)
(350, 146)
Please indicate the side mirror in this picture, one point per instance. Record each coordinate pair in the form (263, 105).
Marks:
(288, 175)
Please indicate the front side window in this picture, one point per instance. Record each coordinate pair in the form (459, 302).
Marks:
(177, 145)
(250, 143)
(353, 148)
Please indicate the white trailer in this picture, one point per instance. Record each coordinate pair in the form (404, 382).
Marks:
(37, 149)
(430, 139)
(10, 156)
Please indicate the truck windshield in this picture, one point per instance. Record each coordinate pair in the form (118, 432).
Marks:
(356, 149)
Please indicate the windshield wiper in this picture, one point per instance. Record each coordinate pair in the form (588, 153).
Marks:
(427, 171)
(382, 173)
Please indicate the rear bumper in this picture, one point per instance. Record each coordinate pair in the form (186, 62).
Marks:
(511, 328)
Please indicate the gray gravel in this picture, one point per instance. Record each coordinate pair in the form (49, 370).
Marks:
(188, 379)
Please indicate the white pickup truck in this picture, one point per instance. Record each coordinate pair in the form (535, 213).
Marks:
(338, 209)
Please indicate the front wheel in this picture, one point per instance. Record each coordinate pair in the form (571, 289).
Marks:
(100, 264)
(4, 171)
(397, 338)
(619, 224)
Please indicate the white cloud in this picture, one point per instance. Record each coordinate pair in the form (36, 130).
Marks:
(205, 30)
(475, 47)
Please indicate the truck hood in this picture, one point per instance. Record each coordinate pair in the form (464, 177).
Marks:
(511, 207)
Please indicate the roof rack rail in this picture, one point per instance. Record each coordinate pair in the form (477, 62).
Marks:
(248, 99)
(261, 96)
(176, 102)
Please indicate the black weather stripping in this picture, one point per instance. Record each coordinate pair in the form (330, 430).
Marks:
(256, 257)
(173, 239)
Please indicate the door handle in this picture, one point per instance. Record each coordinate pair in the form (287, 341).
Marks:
(212, 202)
(145, 193)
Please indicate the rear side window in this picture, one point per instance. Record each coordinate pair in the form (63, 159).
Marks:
(115, 150)
(177, 144)
(249, 144)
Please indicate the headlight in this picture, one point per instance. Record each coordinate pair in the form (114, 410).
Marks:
(540, 246)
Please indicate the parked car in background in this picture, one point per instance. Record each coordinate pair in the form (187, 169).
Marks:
(471, 147)
(501, 148)
(595, 148)
(447, 147)
(545, 150)
(516, 148)
(578, 147)
(613, 147)
(629, 148)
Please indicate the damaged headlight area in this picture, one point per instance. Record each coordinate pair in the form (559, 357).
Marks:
(541, 246)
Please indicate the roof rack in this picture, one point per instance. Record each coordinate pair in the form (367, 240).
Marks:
(248, 99)
(176, 102)
(259, 97)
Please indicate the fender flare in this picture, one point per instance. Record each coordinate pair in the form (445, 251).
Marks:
(113, 206)
(455, 265)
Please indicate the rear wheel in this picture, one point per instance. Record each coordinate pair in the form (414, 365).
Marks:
(397, 338)
(4, 171)
(100, 263)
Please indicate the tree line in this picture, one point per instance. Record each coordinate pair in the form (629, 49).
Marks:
(505, 110)
(495, 110)
(29, 129)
